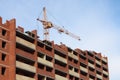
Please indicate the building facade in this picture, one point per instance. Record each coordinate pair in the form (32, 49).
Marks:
(23, 56)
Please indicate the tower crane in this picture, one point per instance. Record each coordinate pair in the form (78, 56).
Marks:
(48, 24)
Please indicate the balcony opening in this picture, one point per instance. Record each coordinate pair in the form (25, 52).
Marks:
(104, 62)
(70, 50)
(91, 61)
(40, 77)
(99, 79)
(76, 70)
(41, 66)
(90, 53)
(47, 42)
(71, 77)
(25, 36)
(48, 48)
(91, 76)
(82, 56)
(97, 65)
(83, 65)
(70, 59)
(49, 69)
(25, 48)
(25, 60)
(75, 61)
(25, 73)
(41, 55)
(49, 78)
(83, 73)
(70, 68)
(60, 63)
(60, 54)
(98, 72)
(3, 44)
(97, 58)
(4, 32)
(3, 57)
(3, 70)
(30, 34)
(49, 58)
(105, 69)
(105, 76)
(60, 73)
(91, 69)
(40, 44)
(75, 53)
(76, 78)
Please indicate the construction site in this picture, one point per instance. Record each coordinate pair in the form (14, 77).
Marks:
(24, 56)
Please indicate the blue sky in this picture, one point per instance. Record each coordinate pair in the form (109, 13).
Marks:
(97, 22)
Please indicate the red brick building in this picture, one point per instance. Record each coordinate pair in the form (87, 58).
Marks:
(23, 56)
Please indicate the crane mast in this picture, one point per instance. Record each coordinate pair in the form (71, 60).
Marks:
(47, 25)
(46, 30)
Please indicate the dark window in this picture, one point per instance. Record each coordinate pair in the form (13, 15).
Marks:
(69, 58)
(49, 78)
(91, 69)
(49, 69)
(3, 70)
(104, 63)
(70, 67)
(3, 32)
(97, 65)
(60, 73)
(75, 53)
(60, 53)
(3, 44)
(70, 77)
(105, 76)
(91, 76)
(25, 60)
(76, 70)
(41, 66)
(48, 48)
(97, 58)
(90, 54)
(91, 61)
(25, 73)
(41, 55)
(105, 69)
(76, 78)
(82, 56)
(98, 79)
(60, 63)
(98, 72)
(75, 61)
(83, 65)
(83, 73)
(3, 57)
(40, 77)
(40, 44)
(48, 58)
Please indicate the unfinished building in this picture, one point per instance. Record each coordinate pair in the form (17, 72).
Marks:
(23, 56)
